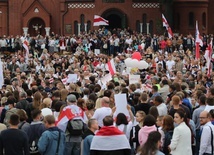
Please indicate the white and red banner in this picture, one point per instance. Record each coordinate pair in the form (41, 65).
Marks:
(165, 24)
(64, 81)
(110, 66)
(198, 41)
(107, 138)
(1, 75)
(25, 45)
(208, 57)
(100, 21)
(68, 113)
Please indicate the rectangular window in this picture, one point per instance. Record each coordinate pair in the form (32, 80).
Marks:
(79, 1)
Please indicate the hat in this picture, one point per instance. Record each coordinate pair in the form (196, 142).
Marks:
(71, 98)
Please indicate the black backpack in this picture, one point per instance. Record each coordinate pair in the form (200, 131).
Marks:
(76, 127)
(33, 141)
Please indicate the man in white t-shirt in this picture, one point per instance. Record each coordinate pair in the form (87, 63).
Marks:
(170, 63)
(102, 112)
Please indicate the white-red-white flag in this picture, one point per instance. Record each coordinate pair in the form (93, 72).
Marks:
(198, 41)
(69, 112)
(25, 45)
(64, 81)
(99, 21)
(208, 57)
(165, 24)
(110, 66)
(1, 74)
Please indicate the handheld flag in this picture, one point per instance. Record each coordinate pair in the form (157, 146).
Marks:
(100, 21)
(25, 45)
(165, 24)
(198, 42)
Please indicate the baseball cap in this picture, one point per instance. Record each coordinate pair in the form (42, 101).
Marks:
(71, 98)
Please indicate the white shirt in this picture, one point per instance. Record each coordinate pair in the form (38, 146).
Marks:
(169, 64)
(101, 113)
(205, 145)
(162, 109)
(208, 108)
(121, 127)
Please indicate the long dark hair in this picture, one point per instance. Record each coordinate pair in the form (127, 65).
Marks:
(150, 147)
(121, 119)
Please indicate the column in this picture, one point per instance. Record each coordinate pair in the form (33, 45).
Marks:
(25, 29)
(86, 27)
(79, 28)
(141, 27)
(47, 30)
(147, 28)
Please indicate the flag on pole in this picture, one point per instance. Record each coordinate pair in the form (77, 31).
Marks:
(25, 45)
(198, 41)
(100, 21)
(208, 57)
(165, 24)
(110, 66)
(1, 74)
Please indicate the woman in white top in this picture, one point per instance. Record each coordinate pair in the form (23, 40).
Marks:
(123, 125)
(181, 139)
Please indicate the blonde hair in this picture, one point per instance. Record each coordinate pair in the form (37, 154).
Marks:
(3, 100)
(98, 103)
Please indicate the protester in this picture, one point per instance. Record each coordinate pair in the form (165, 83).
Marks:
(148, 126)
(8, 145)
(206, 142)
(35, 131)
(105, 110)
(88, 136)
(52, 141)
(152, 144)
(106, 140)
(181, 139)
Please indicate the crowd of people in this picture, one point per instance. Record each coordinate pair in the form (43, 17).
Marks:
(171, 108)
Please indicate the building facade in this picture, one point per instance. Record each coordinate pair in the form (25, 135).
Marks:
(67, 17)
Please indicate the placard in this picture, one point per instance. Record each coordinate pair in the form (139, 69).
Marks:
(72, 78)
(121, 104)
(134, 79)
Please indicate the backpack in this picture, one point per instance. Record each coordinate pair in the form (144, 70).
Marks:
(75, 127)
(33, 148)
(33, 139)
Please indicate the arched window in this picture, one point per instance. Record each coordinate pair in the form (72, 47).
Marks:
(191, 19)
(204, 21)
(82, 23)
(144, 22)
(76, 27)
(151, 25)
(88, 26)
(138, 26)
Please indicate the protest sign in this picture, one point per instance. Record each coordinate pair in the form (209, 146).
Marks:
(72, 78)
(121, 104)
(134, 79)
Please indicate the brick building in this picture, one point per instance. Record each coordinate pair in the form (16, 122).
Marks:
(66, 17)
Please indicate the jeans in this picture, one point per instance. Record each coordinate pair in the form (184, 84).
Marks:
(72, 148)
